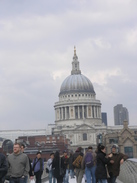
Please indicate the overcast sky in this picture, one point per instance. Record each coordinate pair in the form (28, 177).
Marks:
(37, 39)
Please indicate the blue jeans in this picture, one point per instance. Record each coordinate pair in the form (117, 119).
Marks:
(51, 177)
(90, 172)
(26, 179)
(17, 180)
(102, 181)
(71, 173)
(66, 177)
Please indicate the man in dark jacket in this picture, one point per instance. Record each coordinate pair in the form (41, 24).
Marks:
(71, 167)
(31, 175)
(38, 166)
(3, 167)
(118, 159)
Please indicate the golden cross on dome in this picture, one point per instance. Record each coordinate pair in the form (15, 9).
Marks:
(74, 50)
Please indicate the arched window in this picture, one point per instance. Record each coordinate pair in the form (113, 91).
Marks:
(84, 136)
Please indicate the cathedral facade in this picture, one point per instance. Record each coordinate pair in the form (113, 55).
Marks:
(78, 112)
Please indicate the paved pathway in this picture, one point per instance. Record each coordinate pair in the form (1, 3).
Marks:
(83, 181)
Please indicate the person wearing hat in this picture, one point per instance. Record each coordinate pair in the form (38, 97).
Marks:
(118, 159)
(38, 167)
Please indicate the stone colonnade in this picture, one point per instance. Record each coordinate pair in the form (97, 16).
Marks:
(78, 112)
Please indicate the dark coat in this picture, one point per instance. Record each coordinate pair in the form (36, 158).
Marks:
(56, 167)
(3, 166)
(71, 167)
(114, 168)
(66, 161)
(101, 172)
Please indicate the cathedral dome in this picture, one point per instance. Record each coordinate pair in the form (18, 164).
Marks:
(76, 82)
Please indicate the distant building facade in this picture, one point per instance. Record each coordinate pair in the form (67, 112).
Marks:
(104, 118)
(120, 114)
(44, 143)
(126, 139)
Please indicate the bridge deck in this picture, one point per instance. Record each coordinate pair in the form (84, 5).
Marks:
(83, 181)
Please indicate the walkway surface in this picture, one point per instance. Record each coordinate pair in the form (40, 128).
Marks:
(83, 181)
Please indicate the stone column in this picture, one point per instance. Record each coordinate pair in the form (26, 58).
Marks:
(83, 112)
(87, 111)
(97, 112)
(74, 116)
(59, 113)
(66, 113)
(91, 111)
(78, 113)
(94, 112)
(62, 113)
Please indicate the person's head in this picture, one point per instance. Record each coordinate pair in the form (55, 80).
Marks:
(71, 153)
(16, 148)
(52, 155)
(38, 154)
(115, 149)
(101, 148)
(22, 147)
(90, 148)
(56, 155)
(65, 153)
(80, 149)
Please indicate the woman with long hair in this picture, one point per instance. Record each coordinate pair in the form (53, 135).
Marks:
(58, 167)
(102, 161)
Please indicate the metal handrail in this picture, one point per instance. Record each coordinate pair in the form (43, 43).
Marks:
(128, 171)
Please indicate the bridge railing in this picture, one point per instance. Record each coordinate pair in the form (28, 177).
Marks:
(128, 171)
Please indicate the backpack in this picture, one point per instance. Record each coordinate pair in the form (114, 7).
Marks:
(77, 162)
(89, 160)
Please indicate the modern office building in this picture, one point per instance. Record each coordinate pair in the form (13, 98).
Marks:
(104, 118)
(120, 114)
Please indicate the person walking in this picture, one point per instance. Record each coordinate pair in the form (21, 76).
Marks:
(71, 167)
(31, 175)
(49, 167)
(3, 167)
(66, 164)
(38, 167)
(89, 163)
(58, 167)
(102, 161)
(118, 158)
(18, 165)
(77, 161)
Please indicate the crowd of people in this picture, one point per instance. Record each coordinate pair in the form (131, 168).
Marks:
(17, 167)
(94, 166)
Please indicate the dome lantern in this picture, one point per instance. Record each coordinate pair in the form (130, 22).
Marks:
(75, 64)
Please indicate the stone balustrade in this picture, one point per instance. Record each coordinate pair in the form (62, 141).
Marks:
(128, 171)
